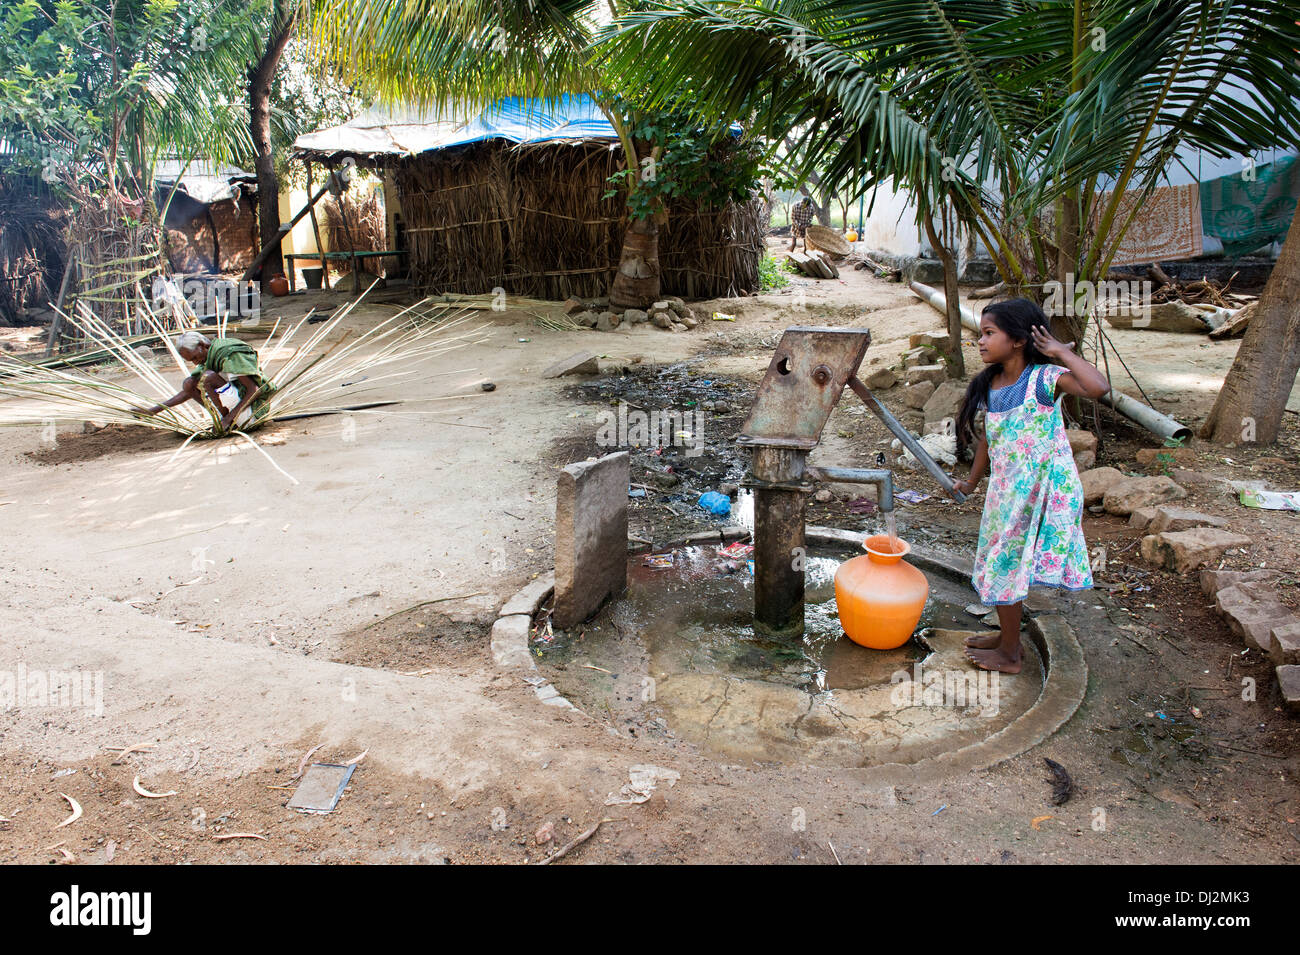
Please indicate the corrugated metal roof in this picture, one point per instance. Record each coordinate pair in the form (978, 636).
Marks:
(203, 180)
(409, 131)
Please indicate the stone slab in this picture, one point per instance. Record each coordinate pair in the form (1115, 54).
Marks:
(509, 641)
(1212, 581)
(1182, 519)
(1127, 495)
(1288, 681)
(1286, 643)
(579, 363)
(1185, 551)
(590, 536)
(1097, 481)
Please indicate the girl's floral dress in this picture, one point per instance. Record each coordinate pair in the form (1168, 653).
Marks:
(1031, 531)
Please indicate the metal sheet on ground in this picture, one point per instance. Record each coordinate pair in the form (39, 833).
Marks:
(321, 788)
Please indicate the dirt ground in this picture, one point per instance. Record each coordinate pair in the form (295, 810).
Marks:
(240, 618)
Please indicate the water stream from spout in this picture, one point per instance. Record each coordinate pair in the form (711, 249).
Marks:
(891, 527)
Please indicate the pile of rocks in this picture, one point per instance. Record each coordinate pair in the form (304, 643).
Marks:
(1247, 601)
(935, 399)
(1183, 540)
(671, 314)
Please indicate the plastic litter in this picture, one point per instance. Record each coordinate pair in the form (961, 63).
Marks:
(912, 497)
(659, 560)
(1272, 500)
(715, 503)
(737, 551)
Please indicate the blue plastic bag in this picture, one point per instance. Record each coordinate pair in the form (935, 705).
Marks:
(715, 503)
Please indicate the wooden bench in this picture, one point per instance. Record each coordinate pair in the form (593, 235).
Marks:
(291, 257)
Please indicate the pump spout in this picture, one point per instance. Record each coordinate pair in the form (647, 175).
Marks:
(883, 480)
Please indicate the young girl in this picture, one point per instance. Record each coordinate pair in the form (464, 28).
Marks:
(1031, 531)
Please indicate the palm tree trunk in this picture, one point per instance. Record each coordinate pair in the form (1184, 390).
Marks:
(1252, 401)
(951, 297)
(636, 283)
(259, 107)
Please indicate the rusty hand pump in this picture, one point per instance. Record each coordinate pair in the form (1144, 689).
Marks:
(805, 379)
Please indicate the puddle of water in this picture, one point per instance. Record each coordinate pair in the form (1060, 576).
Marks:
(678, 655)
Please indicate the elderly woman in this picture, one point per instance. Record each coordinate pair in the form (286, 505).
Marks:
(227, 375)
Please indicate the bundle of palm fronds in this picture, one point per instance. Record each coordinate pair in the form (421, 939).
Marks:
(307, 381)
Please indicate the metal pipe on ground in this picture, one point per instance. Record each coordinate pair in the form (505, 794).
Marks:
(1160, 425)
(935, 299)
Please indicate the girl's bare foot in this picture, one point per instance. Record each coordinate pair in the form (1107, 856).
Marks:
(994, 659)
(985, 641)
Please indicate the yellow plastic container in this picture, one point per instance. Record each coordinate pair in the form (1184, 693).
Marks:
(879, 595)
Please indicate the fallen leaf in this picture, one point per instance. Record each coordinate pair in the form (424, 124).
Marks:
(1036, 820)
(135, 784)
(76, 812)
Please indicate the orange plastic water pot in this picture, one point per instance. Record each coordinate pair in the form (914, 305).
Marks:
(879, 595)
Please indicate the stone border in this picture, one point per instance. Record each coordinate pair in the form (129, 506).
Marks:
(510, 639)
(1063, 687)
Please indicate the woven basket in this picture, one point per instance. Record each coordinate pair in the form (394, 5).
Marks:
(828, 240)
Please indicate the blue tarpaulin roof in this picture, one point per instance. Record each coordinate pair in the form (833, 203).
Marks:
(409, 132)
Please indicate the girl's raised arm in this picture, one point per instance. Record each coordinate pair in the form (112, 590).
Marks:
(1082, 379)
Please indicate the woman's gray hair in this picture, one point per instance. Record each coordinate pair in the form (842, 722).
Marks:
(191, 340)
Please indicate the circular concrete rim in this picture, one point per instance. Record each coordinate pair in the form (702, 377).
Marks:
(1064, 685)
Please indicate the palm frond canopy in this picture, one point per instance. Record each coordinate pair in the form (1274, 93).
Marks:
(941, 95)
(442, 53)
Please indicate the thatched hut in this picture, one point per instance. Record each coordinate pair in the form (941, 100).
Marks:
(516, 199)
(211, 216)
(33, 253)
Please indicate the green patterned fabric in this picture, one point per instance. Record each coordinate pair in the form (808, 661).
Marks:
(1245, 213)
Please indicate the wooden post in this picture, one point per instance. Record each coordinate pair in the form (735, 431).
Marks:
(57, 324)
(320, 247)
(347, 230)
(284, 228)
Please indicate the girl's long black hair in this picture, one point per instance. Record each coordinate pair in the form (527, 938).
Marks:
(1015, 317)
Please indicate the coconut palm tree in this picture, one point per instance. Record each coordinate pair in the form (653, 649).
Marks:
(1030, 117)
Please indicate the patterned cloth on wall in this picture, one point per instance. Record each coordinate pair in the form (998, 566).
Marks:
(1168, 226)
(1247, 212)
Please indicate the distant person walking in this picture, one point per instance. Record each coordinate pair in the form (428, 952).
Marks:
(801, 216)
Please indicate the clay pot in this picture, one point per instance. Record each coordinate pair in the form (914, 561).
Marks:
(879, 595)
(279, 285)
